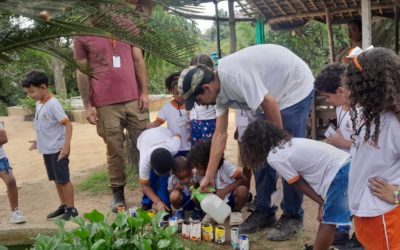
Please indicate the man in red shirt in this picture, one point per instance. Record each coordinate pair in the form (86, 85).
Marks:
(115, 98)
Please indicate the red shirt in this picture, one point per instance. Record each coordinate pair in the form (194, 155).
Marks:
(109, 85)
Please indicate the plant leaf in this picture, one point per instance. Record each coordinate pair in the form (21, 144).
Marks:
(94, 216)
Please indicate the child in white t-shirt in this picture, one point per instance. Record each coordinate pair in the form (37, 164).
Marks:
(229, 179)
(53, 140)
(317, 169)
(173, 112)
(372, 79)
(7, 176)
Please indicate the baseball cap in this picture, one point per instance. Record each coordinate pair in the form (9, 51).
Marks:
(188, 82)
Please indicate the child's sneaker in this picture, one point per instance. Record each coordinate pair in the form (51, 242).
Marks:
(236, 219)
(69, 212)
(17, 217)
(59, 211)
(197, 215)
(180, 214)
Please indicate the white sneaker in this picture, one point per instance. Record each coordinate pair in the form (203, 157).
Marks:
(236, 219)
(17, 217)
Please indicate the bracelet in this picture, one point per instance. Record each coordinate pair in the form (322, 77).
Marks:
(396, 195)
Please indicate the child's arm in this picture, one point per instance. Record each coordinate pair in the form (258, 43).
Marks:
(3, 137)
(67, 143)
(306, 189)
(156, 123)
(383, 190)
(339, 141)
(158, 204)
(240, 179)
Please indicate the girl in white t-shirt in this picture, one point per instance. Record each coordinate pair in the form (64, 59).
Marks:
(173, 112)
(317, 169)
(373, 80)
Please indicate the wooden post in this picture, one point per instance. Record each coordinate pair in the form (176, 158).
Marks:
(366, 23)
(396, 27)
(330, 36)
(218, 33)
(232, 27)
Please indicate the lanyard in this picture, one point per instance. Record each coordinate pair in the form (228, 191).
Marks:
(341, 117)
(37, 114)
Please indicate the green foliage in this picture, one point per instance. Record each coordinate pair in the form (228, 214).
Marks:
(27, 102)
(95, 233)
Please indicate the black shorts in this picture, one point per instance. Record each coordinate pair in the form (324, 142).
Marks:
(57, 171)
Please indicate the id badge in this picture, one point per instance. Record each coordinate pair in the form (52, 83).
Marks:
(116, 61)
(243, 121)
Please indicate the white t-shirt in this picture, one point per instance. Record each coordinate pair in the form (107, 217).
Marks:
(370, 160)
(177, 120)
(248, 75)
(314, 161)
(344, 124)
(244, 118)
(50, 131)
(225, 176)
(202, 112)
(148, 141)
(2, 153)
(173, 180)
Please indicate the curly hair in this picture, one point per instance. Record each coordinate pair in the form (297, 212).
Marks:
(328, 80)
(199, 155)
(259, 138)
(171, 81)
(376, 88)
(35, 78)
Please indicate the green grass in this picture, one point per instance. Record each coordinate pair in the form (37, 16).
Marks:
(97, 181)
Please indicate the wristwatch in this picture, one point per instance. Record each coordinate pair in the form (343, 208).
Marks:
(396, 195)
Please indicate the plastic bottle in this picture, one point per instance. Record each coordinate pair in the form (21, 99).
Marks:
(212, 205)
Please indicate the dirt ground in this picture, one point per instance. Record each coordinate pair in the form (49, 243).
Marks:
(37, 196)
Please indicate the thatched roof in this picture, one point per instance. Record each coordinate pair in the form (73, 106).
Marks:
(287, 14)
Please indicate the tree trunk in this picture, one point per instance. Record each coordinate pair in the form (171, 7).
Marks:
(59, 79)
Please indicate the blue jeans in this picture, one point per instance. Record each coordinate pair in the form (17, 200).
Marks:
(294, 120)
(159, 184)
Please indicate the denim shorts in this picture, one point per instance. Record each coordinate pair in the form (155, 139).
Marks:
(5, 165)
(336, 206)
(57, 171)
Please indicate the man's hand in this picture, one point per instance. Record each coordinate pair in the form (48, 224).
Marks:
(33, 146)
(91, 115)
(64, 153)
(143, 103)
(160, 206)
(205, 183)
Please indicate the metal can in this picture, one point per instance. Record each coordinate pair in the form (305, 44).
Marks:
(207, 232)
(244, 242)
(173, 221)
(132, 211)
(186, 229)
(195, 231)
(235, 238)
(220, 235)
(121, 209)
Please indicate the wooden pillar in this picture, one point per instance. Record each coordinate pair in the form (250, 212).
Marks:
(218, 32)
(232, 27)
(330, 36)
(366, 23)
(396, 27)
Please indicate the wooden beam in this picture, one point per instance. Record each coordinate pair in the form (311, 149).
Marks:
(366, 23)
(330, 36)
(232, 27)
(214, 18)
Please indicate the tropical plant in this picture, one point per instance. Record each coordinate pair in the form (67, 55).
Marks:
(125, 232)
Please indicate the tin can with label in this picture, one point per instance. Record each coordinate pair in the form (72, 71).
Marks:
(132, 211)
(235, 238)
(173, 221)
(220, 234)
(244, 242)
(207, 232)
(195, 231)
(121, 209)
(186, 229)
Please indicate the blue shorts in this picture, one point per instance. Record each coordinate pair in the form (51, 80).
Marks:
(201, 130)
(57, 171)
(336, 206)
(5, 165)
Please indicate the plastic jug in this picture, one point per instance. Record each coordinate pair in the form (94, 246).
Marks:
(212, 205)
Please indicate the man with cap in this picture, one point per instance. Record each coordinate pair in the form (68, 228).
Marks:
(278, 85)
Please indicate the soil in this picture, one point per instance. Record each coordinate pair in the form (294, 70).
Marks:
(37, 196)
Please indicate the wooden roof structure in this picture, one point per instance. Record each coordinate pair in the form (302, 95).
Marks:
(289, 14)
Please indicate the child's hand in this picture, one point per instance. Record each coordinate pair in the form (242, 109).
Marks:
(336, 140)
(320, 213)
(64, 153)
(149, 125)
(382, 189)
(33, 146)
(160, 206)
(178, 187)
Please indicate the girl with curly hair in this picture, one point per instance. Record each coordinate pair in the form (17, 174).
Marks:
(373, 80)
(317, 169)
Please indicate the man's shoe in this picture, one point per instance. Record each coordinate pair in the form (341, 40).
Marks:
(17, 217)
(285, 228)
(118, 199)
(59, 211)
(257, 221)
(69, 212)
